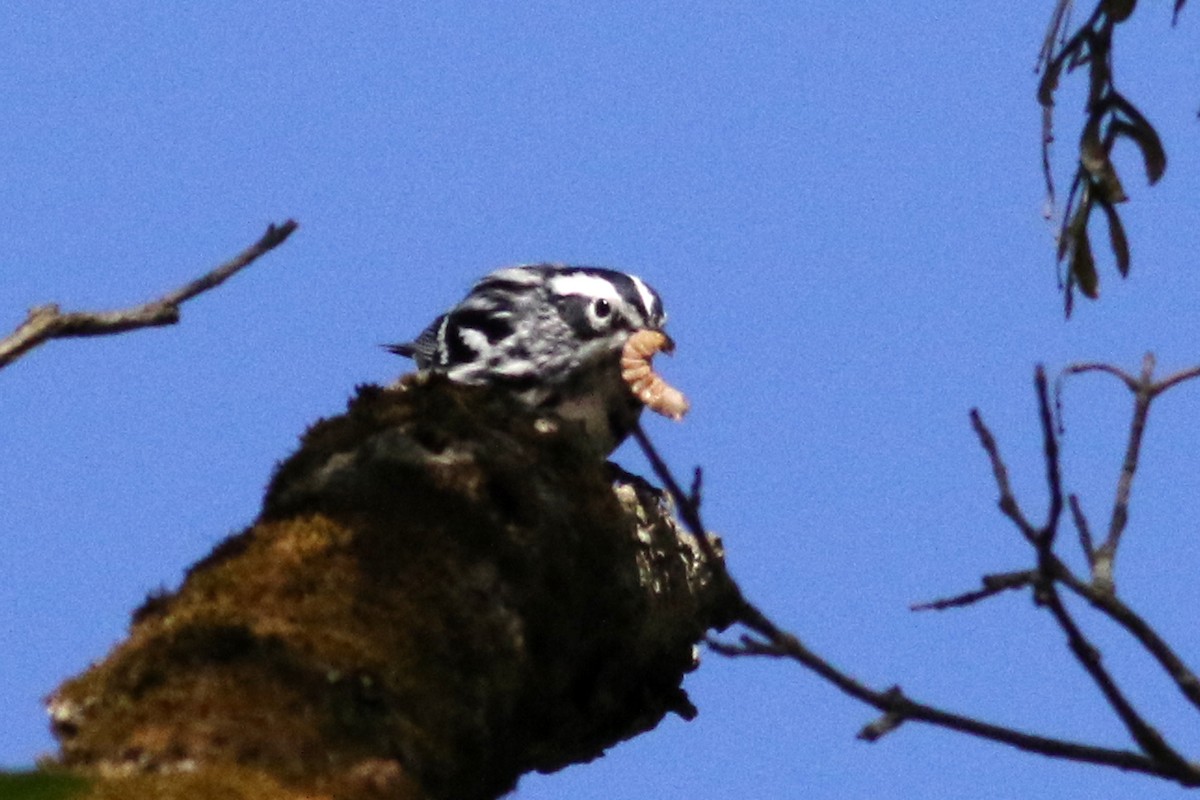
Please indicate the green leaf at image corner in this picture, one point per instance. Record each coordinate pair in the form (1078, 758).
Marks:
(40, 786)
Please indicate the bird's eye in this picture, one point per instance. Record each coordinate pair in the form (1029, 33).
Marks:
(602, 308)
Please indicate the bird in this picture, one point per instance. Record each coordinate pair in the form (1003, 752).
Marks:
(555, 337)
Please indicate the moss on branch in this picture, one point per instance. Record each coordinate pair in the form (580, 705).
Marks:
(441, 592)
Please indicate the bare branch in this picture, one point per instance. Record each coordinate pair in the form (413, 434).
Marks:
(1176, 379)
(1055, 39)
(1008, 503)
(1054, 33)
(1051, 570)
(688, 505)
(746, 646)
(1085, 532)
(1106, 553)
(697, 485)
(1108, 604)
(1122, 375)
(899, 708)
(886, 723)
(895, 706)
(1149, 740)
(1050, 448)
(49, 322)
(992, 585)
(1144, 390)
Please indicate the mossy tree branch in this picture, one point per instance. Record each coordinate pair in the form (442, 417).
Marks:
(442, 592)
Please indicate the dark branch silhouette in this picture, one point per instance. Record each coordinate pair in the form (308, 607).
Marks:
(49, 322)
(1154, 756)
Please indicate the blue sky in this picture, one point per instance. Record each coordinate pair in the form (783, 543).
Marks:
(841, 205)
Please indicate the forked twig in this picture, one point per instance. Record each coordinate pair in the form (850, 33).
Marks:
(1007, 502)
(896, 707)
(1051, 571)
(1112, 607)
(1145, 390)
(688, 504)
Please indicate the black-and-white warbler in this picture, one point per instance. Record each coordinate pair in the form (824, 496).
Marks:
(553, 334)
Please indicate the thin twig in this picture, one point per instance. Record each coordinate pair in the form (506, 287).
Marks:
(1053, 33)
(1145, 390)
(697, 486)
(1106, 553)
(992, 585)
(893, 703)
(1051, 570)
(1176, 379)
(1054, 37)
(1084, 530)
(900, 707)
(1091, 366)
(1050, 449)
(1107, 603)
(1008, 503)
(746, 646)
(48, 322)
(1149, 740)
(689, 510)
(1100, 593)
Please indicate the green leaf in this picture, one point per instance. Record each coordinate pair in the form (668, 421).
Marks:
(40, 786)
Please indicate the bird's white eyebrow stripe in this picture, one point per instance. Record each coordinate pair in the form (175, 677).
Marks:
(581, 283)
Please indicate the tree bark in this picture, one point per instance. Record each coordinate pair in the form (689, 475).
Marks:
(441, 593)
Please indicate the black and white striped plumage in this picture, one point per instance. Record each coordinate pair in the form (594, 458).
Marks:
(551, 333)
